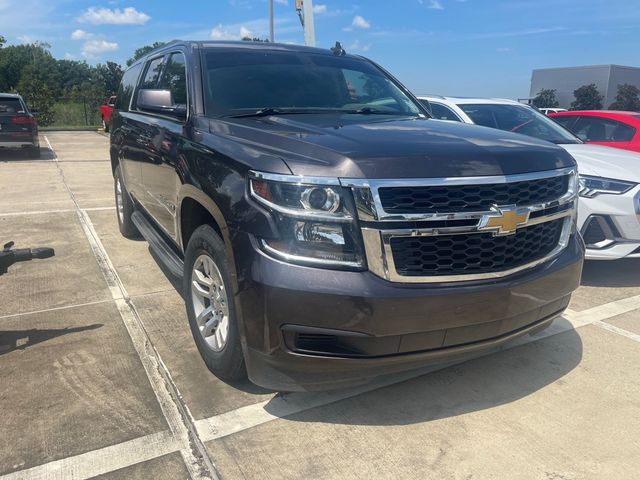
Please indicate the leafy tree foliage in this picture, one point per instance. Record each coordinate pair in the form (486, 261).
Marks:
(142, 51)
(2, 41)
(546, 98)
(42, 80)
(587, 98)
(628, 98)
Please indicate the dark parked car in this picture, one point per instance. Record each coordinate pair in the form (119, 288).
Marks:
(18, 127)
(325, 228)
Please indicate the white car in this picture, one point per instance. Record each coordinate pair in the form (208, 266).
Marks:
(609, 210)
(547, 111)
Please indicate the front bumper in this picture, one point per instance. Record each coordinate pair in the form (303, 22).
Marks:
(611, 225)
(365, 326)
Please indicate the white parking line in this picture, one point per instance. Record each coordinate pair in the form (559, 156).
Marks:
(620, 331)
(178, 417)
(103, 460)
(47, 212)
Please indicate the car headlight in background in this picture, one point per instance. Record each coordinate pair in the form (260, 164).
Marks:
(316, 220)
(593, 186)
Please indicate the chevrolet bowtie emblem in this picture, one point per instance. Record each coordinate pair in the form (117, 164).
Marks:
(505, 220)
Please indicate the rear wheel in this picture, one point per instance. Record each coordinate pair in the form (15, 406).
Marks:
(210, 308)
(124, 207)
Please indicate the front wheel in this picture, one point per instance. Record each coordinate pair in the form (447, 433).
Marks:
(211, 311)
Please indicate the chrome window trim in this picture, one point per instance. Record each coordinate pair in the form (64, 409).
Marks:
(380, 258)
(369, 206)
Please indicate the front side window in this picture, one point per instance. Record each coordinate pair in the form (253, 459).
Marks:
(152, 74)
(244, 81)
(594, 129)
(174, 79)
(565, 121)
(518, 119)
(127, 86)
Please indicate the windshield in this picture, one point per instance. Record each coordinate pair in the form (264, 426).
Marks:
(241, 81)
(518, 119)
(10, 106)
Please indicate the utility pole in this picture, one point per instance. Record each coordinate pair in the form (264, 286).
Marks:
(271, 21)
(305, 12)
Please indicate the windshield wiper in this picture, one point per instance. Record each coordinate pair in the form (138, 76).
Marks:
(373, 111)
(261, 112)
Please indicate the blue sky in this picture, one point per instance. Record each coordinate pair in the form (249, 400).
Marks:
(449, 47)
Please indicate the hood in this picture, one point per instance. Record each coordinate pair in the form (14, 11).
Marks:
(364, 146)
(601, 161)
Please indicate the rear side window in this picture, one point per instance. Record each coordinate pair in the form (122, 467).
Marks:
(11, 106)
(440, 112)
(152, 73)
(175, 78)
(596, 129)
(566, 122)
(127, 86)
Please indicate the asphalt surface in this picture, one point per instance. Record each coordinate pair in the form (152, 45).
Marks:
(99, 376)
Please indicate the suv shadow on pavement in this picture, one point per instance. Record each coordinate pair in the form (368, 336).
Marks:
(19, 156)
(477, 384)
(611, 273)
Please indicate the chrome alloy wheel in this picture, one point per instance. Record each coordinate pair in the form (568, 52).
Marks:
(119, 205)
(210, 303)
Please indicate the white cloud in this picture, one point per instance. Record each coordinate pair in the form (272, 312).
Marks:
(435, 5)
(81, 35)
(26, 39)
(319, 9)
(357, 46)
(222, 32)
(91, 48)
(117, 16)
(504, 50)
(360, 22)
(283, 2)
(69, 56)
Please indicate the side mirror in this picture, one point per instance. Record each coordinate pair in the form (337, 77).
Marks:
(160, 101)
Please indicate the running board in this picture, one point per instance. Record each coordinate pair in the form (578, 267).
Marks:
(165, 253)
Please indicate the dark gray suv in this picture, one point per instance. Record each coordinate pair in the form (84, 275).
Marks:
(18, 127)
(325, 229)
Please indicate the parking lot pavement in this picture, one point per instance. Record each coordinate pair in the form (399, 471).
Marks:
(100, 376)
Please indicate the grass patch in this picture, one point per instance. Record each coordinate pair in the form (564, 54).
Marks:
(71, 113)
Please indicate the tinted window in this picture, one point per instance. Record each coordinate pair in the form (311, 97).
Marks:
(152, 74)
(249, 80)
(127, 86)
(566, 122)
(175, 78)
(518, 119)
(442, 112)
(10, 106)
(603, 130)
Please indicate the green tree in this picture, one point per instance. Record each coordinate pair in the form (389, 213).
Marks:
(2, 41)
(142, 51)
(546, 98)
(587, 97)
(34, 87)
(628, 98)
(109, 76)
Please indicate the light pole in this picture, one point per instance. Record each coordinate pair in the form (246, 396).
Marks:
(271, 21)
(305, 12)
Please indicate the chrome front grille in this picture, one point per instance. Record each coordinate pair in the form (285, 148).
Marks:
(464, 228)
(470, 198)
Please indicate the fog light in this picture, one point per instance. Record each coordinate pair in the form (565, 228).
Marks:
(319, 232)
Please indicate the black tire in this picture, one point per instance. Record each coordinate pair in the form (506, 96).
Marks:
(124, 207)
(227, 363)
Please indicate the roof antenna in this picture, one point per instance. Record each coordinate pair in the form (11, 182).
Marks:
(338, 50)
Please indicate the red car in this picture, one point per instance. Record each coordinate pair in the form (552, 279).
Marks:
(611, 128)
(105, 112)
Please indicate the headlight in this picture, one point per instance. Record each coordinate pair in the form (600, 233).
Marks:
(593, 186)
(316, 220)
